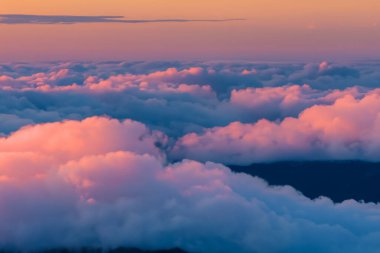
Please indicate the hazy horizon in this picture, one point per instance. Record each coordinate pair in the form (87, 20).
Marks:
(297, 30)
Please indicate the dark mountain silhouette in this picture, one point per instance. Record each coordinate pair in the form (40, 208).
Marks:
(338, 180)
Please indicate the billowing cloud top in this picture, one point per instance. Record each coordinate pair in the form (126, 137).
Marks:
(115, 154)
(158, 93)
(106, 186)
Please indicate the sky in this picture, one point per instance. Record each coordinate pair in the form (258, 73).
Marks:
(289, 30)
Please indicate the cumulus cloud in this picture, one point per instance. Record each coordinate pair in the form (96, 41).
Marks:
(111, 154)
(72, 139)
(288, 100)
(346, 129)
(120, 192)
(222, 77)
(158, 93)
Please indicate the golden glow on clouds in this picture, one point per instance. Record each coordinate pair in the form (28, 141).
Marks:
(283, 29)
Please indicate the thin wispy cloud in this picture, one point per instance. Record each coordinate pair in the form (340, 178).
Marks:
(66, 19)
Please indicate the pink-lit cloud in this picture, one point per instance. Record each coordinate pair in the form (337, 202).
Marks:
(346, 129)
(123, 194)
(157, 93)
(88, 152)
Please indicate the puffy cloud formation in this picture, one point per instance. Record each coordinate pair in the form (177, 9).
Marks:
(119, 191)
(72, 139)
(288, 100)
(222, 77)
(239, 104)
(347, 129)
(158, 93)
(113, 154)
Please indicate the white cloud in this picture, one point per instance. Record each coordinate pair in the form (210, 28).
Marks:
(128, 198)
(347, 129)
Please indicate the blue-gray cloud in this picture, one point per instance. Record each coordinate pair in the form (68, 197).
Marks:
(157, 93)
(68, 19)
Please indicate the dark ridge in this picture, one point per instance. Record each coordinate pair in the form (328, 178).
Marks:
(338, 180)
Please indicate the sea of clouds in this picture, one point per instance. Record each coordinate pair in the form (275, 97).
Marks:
(109, 154)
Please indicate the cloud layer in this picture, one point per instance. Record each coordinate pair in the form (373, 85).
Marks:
(196, 103)
(122, 193)
(347, 129)
(113, 154)
(157, 94)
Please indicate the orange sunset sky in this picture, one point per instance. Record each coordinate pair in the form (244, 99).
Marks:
(273, 30)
